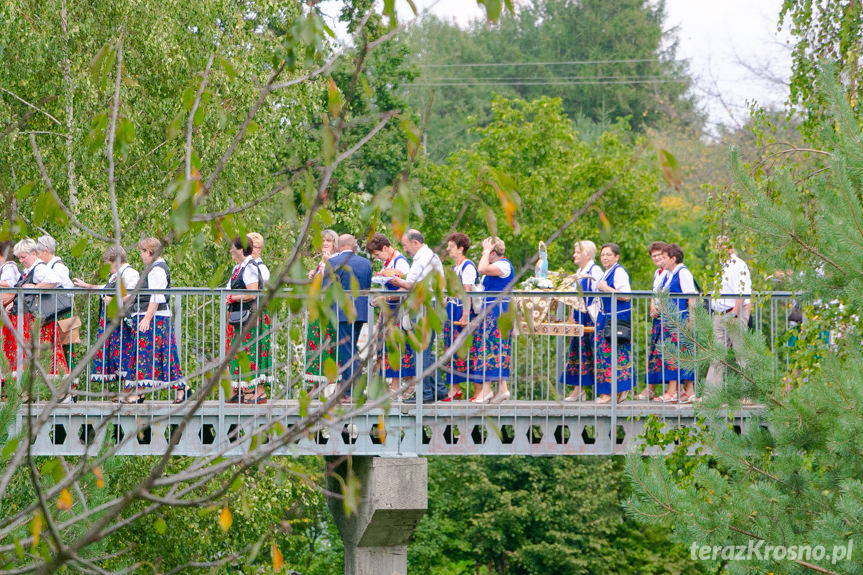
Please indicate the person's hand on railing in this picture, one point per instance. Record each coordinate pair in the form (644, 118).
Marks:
(82, 284)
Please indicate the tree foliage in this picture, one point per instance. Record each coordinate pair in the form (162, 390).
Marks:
(830, 31)
(530, 160)
(516, 515)
(792, 476)
(604, 61)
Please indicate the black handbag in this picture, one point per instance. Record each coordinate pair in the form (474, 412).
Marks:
(240, 312)
(240, 316)
(45, 307)
(48, 307)
(624, 331)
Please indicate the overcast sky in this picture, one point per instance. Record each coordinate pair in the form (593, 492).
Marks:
(726, 43)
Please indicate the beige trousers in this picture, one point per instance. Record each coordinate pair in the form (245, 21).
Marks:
(721, 325)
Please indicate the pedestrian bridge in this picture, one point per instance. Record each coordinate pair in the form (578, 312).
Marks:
(536, 421)
(538, 428)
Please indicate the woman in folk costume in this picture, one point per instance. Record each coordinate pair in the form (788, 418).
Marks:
(678, 280)
(579, 372)
(9, 276)
(248, 380)
(321, 343)
(112, 357)
(491, 351)
(35, 275)
(257, 249)
(458, 314)
(48, 254)
(154, 362)
(654, 355)
(614, 280)
(395, 348)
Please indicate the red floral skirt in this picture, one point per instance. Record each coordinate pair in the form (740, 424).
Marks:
(49, 348)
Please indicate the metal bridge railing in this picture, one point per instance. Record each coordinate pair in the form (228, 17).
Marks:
(536, 418)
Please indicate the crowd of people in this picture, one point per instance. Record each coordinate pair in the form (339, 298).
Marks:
(140, 350)
(590, 362)
(486, 365)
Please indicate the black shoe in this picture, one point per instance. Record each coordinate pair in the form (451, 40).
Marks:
(425, 400)
(183, 397)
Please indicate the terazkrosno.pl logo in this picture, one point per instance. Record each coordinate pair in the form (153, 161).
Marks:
(761, 551)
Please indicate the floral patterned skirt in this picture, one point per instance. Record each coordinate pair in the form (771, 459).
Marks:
(153, 362)
(457, 366)
(112, 358)
(579, 364)
(319, 348)
(666, 345)
(49, 337)
(490, 352)
(604, 365)
(253, 368)
(401, 352)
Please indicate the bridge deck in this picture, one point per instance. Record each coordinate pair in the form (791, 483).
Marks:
(459, 428)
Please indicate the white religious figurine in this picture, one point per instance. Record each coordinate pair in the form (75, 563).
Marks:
(541, 269)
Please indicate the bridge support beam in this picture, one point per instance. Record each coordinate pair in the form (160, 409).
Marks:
(393, 497)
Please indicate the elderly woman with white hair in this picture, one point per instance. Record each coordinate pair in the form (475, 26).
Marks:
(36, 275)
(579, 372)
(48, 254)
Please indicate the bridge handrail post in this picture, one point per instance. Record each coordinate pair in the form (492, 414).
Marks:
(614, 367)
(419, 387)
(17, 377)
(223, 323)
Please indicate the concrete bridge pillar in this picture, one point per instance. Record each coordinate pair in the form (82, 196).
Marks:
(393, 499)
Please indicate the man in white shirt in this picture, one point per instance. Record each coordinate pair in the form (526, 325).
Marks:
(736, 280)
(48, 254)
(423, 262)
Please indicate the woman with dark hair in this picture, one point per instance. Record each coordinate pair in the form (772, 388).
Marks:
(678, 280)
(458, 314)
(654, 376)
(320, 342)
(614, 280)
(154, 362)
(491, 350)
(395, 343)
(248, 385)
(111, 359)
